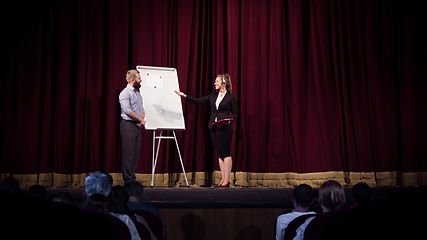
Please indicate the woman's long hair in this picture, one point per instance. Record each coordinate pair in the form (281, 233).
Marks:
(331, 195)
(227, 78)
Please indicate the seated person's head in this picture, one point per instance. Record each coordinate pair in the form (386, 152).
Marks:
(97, 190)
(10, 185)
(302, 196)
(331, 195)
(98, 183)
(119, 200)
(361, 193)
(134, 188)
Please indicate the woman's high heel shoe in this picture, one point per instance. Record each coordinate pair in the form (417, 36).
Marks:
(226, 185)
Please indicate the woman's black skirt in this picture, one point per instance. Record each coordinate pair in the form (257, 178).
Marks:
(221, 136)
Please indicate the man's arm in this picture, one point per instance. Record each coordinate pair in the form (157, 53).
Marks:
(136, 117)
(142, 123)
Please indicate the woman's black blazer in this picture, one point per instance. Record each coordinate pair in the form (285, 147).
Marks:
(227, 108)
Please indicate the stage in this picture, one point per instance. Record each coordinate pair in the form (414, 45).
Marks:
(233, 197)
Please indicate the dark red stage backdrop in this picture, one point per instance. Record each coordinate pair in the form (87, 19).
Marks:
(326, 89)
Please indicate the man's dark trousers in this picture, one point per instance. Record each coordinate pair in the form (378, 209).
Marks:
(131, 145)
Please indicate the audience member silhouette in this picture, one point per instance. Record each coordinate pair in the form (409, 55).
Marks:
(331, 197)
(118, 208)
(97, 191)
(37, 191)
(145, 214)
(10, 185)
(302, 198)
(361, 193)
(135, 191)
(98, 188)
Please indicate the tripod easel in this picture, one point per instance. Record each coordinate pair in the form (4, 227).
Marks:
(154, 159)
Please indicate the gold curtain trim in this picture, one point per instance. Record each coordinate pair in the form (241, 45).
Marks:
(239, 179)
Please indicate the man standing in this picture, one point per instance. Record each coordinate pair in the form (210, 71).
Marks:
(133, 118)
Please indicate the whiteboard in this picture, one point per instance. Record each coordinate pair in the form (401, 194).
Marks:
(163, 107)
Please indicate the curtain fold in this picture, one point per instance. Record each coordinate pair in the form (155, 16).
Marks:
(323, 87)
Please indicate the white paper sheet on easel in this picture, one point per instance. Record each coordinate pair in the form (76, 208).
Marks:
(163, 107)
(154, 80)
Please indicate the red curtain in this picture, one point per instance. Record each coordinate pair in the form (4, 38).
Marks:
(321, 85)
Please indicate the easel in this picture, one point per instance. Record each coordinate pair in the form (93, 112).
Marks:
(154, 160)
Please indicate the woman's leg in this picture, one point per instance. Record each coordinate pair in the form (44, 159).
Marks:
(221, 167)
(227, 164)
